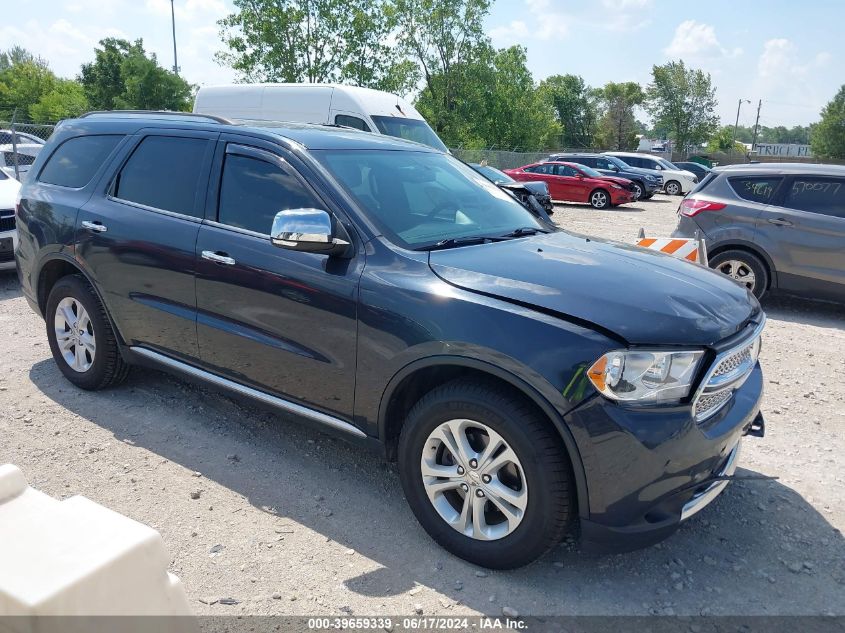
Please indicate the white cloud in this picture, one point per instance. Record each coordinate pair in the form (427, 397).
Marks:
(508, 34)
(780, 61)
(697, 40)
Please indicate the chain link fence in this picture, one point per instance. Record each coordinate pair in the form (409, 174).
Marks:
(20, 144)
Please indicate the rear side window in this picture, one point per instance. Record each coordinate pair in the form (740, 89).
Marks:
(540, 169)
(756, 189)
(351, 121)
(253, 191)
(564, 170)
(817, 195)
(75, 161)
(164, 173)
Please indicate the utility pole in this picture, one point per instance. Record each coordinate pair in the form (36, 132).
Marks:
(756, 125)
(173, 22)
(736, 125)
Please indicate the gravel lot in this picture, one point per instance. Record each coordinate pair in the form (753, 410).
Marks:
(290, 521)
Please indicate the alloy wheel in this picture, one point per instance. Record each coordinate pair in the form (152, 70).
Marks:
(75, 334)
(739, 271)
(599, 199)
(673, 189)
(474, 479)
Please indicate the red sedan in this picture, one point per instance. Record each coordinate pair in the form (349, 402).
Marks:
(573, 182)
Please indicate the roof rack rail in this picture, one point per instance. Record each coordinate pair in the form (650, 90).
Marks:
(211, 117)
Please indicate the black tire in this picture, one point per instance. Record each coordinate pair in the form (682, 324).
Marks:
(107, 367)
(639, 190)
(673, 188)
(597, 201)
(647, 196)
(541, 454)
(724, 263)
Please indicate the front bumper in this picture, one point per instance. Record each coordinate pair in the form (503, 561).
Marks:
(8, 245)
(649, 470)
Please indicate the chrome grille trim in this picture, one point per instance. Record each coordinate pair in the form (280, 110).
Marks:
(727, 374)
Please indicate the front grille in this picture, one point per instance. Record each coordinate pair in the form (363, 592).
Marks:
(7, 222)
(728, 373)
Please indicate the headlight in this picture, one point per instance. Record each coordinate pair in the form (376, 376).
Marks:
(615, 186)
(651, 178)
(645, 376)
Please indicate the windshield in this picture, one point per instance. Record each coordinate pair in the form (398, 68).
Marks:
(421, 198)
(621, 164)
(666, 164)
(410, 129)
(492, 173)
(589, 171)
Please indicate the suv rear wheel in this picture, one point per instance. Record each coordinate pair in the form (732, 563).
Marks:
(484, 474)
(81, 337)
(744, 268)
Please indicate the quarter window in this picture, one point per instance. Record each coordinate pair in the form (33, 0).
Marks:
(755, 189)
(253, 191)
(351, 121)
(75, 161)
(817, 195)
(164, 173)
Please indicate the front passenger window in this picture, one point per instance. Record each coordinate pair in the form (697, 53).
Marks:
(253, 191)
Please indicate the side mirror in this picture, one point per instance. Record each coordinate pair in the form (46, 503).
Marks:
(308, 230)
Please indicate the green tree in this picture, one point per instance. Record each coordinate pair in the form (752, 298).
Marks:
(576, 106)
(618, 126)
(23, 83)
(684, 101)
(827, 139)
(314, 41)
(494, 104)
(64, 101)
(445, 38)
(122, 76)
(723, 141)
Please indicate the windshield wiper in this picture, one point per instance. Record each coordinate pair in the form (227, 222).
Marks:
(468, 240)
(525, 230)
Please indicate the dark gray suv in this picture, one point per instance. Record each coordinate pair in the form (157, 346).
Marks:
(776, 226)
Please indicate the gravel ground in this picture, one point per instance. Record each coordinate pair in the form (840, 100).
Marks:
(286, 520)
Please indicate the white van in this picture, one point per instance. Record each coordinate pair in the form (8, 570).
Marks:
(332, 104)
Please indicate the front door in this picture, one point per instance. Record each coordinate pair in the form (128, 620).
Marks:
(138, 239)
(281, 321)
(808, 227)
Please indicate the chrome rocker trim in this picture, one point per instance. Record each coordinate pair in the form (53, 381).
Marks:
(707, 496)
(279, 403)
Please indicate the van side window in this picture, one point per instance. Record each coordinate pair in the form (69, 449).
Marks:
(817, 195)
(253, 191)
(164, 173)
(75, 161)
(351, 121)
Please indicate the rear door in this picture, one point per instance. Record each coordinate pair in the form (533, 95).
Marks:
(573, 188)
(137, 238)
(282, 321)
(545, 172)
(807, 224)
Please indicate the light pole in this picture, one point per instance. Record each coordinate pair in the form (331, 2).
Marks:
(173, 22)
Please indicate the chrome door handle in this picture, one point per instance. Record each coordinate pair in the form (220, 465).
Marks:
(220, 258)
(97, 227)
(780, 222)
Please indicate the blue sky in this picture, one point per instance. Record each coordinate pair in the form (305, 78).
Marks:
(783, 52)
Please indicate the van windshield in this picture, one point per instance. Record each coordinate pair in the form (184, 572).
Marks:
(410, 129)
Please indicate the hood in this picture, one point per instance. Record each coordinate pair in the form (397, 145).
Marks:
(645, 172)
(537, 187)
(642, 296)
(624, 182)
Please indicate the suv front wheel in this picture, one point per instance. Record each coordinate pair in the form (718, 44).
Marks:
(485, 475)
(81, 337)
